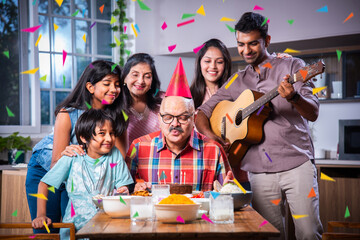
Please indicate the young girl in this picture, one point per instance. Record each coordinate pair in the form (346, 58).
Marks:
(99, 88)
(99, 171)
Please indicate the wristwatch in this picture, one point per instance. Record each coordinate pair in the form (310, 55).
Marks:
(294, 98)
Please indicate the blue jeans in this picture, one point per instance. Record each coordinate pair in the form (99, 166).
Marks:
(57, 202)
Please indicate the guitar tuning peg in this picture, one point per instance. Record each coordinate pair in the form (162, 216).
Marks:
(314, 79)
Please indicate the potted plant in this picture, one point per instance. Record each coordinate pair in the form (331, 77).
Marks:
(16, 146)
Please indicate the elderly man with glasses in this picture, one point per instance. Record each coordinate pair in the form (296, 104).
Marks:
(177, 153)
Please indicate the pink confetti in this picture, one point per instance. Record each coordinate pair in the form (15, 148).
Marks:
(206, 218)
(256, 7)
(180, 219)
(262, 107)
(125, 29)
(198, 48)
(113, 165)
(164, 26)
(171, 48)
(64, 56)
(104, 102)
(91, 66)
(263, 223)
(184, 23)
(72, 210)
(32, 236)
(99, 201)
(32, 29)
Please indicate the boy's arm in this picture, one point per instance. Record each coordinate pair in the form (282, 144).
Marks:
(38, 222)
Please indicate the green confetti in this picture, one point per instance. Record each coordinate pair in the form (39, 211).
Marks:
(88, 105)
(263, 23)
(96, 161)
(72, 185)
(64, 80)
(127, 52)
(188, 15)
(9, 112)
(143, 6)
(230, 28)
(163, 176)
(43, 78)
(122, 200)
(113, 67)
(157, 90)
(347, 212)
(133, 151)
(6, 53)
(52, 189)
(291, 21)
(113, 20)
(125, 115)
(338, 52)
(14, 214)
(136, 215)
(75, 13)
(18, 154)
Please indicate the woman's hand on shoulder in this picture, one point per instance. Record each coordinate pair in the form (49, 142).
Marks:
(39, 222)
(71, 151)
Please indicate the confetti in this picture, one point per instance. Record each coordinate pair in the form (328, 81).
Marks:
(102, 8)
(350, 16)
(75, 13)
(113, 20)
(96, 161)
(88, 105)
(31, 71)
(133, 152)
(122, 200)
(347, 212)
(256, 7)
(83, 12)
(32, 29)
(113, 67)
(43, 78)
(198, 48)
(312, 193)
(133, 28)
(9, 112)
(137, 27)
(171, 48)
(34, 2)
(299, 216)
(157, 90)
(99, 201)
(14, 214)
(180, 219)
(6, 53)
(92, 25)
(188, 15)
(267, 65)
(143, 6)
(201, 10)
(237, 148)
(338, 53)
(316, 90)
(125, 115)
(84, 37)
(72, 210)
(135, 215)
(112, 165)
(127, 52)
(276, 201)
(164, 26)
(289, 50)
(55, 27)
(214, 194)
(303, 73)
(59, 2)
(206, 218)
(230, 28)
(46, 226)
(185, 23)
(37, 41)
(265, 21)
(225, 19)
(126, 27)
(239, 185)
(163, 176)
(32, 236)
(52, 189)
(326, 177)
(323, 9)
(38, 195)
(18, 154)
(231, 81)
(64, 80)
(118, 43)
(291, 21)
(64, 56)
(72, 185)
(91, 66)
(258, 112)
(263, 223)
(228, 117)
(268, 156)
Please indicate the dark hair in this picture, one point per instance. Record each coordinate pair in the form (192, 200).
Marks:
(151, 101)
(79, 96)
(88, 121)
(250, 21)
(198, 85)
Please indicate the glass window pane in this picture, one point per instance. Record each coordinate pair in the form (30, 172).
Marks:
(43, 6)
(62, 36)
(84, 7)
(45, 107)
(59, 97)
(64, 10)
(352, 75)
(106, 15)
(44, 43)
(59, 71)
(44, 63)
(82, 28)
(81, 64)
(103, 34)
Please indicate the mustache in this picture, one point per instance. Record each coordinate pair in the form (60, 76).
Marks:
(177, 128)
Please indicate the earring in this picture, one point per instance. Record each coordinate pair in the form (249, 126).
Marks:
(124, 83)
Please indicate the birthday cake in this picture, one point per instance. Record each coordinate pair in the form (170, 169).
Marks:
(180, 188)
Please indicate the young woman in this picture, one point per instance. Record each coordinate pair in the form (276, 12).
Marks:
(99, 88)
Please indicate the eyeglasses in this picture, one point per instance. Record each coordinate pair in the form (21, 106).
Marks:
(182, 119)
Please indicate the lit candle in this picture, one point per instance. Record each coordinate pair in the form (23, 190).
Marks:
(158, 177)
(171, 177)
(184, 177)
(180, 177)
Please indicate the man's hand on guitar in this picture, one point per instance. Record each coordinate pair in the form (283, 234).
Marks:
(286, 90)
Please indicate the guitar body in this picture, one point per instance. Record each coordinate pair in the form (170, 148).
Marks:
(242, 133)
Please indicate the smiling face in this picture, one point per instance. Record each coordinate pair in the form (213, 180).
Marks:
(104, 91)
(102, 141)
(139, 80)
(212, 65)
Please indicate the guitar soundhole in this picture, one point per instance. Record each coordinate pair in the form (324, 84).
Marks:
(238, 118)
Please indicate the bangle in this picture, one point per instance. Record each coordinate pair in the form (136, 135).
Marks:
(294, 98)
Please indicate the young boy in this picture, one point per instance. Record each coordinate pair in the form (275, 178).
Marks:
(98, 172)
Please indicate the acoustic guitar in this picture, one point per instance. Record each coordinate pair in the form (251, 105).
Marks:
(241, 122)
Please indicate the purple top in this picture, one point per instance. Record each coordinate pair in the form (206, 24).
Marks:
(287, 139)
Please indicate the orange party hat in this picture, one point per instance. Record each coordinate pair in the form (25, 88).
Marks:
(178, 85)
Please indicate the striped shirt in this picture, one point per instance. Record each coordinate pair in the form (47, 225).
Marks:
(200, 163)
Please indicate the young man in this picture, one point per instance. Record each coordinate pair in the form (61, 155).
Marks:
(291, 172)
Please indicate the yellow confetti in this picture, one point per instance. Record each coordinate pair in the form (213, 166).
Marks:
(289, 50)
(59, 2)
(113, 20)
(239, 185)
(201, 10)
(326, 177)
(52, 189)
(38, 196)
(132, 25)
(118, 43)
(55, 27)
(37, 41)
(299, 216)
(225, 19)
(316, 90)
(231, 81)
(31, 71)
(84, 37)
(46, 226)
(133, 152)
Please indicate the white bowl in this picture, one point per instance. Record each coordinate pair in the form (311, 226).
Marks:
(169, 212)
(241, 200)
(116, 209)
